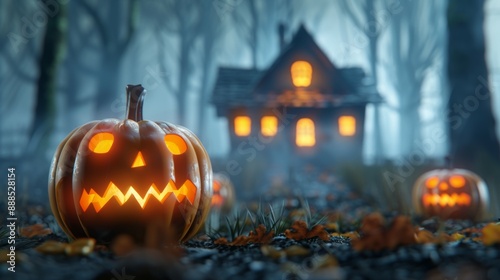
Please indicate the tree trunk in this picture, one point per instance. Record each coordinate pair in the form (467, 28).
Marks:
(471, 122)
(184, 67)
(51, 54)
(409, 127)
(110, 98)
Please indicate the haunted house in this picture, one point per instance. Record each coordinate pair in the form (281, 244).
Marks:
(301, 110)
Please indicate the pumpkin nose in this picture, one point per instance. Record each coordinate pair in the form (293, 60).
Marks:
(139, 161)
(443, 186)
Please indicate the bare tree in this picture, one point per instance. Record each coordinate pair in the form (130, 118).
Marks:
(50, 58)
(115, 22)
(257, 20)
(185, 25)
(211, 30)
(415, 46)
(473, 141)
(363, 15)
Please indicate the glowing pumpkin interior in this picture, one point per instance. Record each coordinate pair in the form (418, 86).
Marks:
(446, 193)
(101, 143)
(217, 198)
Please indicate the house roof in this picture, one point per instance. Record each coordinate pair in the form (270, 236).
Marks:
(237, 87)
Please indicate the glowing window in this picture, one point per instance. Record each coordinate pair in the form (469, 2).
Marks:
(347, 125)
(301, 72)
(242, 125)
(269, 125)
(305, 135)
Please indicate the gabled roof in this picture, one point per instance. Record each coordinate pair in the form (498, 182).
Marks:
(303, 47)
(331, 86)
(235, 85)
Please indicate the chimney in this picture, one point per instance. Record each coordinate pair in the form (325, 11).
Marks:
(281, 35)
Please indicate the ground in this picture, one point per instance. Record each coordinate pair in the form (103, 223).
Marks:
(341, 248)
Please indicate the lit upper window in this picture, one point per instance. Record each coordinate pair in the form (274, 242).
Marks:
(347, 125)
(242, 125)
(269, 125)
(301, 72)
(305, 135)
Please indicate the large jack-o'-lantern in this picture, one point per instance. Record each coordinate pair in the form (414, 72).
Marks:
(114, 176)
(451, 194)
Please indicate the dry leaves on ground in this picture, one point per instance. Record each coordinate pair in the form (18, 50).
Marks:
(300, 231)
(260, 236)
(34, 231)
(377, 236)
(292, 251)
(491, 234)
(81, 247)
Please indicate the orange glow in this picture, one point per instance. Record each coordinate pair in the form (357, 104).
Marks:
(305, 135)
(242, 125)
(269, 125)
(301, 72)
(432, 182)
(175, 144)
(457, 181)
(217, 200)
(443, 186)
(347, 125)
(101, 142)
(443, 200)
(139, 161)
(216, 186)
(187, 190)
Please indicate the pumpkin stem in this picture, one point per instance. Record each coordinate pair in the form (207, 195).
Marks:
(135, 99)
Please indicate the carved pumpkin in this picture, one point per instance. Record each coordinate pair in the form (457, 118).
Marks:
(451, 194)
(223, 193)
(121, 176)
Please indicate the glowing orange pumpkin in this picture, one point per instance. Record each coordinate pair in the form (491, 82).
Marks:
(451, 194)
(223, 193)
(120, 176)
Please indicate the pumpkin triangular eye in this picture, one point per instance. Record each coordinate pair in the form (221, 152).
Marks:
(175, 144)
(101, 142)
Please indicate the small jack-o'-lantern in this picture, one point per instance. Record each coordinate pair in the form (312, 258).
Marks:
(114, 176)
(451, 194)
(223, 193)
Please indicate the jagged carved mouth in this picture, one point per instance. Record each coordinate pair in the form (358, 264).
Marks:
(460, 199)
(186, 191)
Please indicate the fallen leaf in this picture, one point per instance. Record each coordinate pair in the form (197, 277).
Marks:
(259, 236)
(377, 236)
(34, 230)
(296, 251)
(52, 247)
(292, 251)
(82, 247)
(323, 261)
(123, 245)
(299, 231)
(490, 234)
(221, 241)
(20, 257)
(271, 252)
